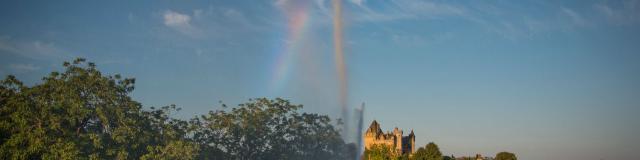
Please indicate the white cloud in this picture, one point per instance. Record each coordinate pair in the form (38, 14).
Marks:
(212, 22)
(175, 19)
(21, 68)
(180, 22)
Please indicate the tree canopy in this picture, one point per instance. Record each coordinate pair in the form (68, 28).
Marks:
(269, 129)
(386, 152)
(506, 156)
(380, 152)
(82, 114)
(429, 152)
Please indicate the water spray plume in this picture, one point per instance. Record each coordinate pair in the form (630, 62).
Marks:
(339, 58)
(360, 117)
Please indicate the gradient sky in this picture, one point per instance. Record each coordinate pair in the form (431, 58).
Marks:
(542, 79)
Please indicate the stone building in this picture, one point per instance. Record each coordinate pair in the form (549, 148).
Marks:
(395, 140)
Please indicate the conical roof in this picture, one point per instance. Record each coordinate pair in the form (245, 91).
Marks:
(374, 127)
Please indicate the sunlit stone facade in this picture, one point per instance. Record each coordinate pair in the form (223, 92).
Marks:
(395, 140)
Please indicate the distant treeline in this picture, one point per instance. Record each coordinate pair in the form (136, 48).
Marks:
(82, 114)
(429, 152)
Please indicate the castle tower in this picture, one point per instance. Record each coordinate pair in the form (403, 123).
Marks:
(412, 142)
(395, 140)
(398, 139)
(372, 135)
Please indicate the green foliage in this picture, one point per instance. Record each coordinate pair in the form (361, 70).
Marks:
(429, 152)
(380, 152)
(506, 156)
(82, 114)
(77, 112)
(175, 150)
(404, 157)
(269, 129)
(420, 154)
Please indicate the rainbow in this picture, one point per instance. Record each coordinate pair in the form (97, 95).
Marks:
(298, 22)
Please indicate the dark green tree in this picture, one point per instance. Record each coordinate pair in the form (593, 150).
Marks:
(379, 152)
(506, 156)
(77, 114)
(429, 152)
(83, 114)
(404, 157)
(269, 129)
(420, 154)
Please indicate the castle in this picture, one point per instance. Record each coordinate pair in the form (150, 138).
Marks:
(403, 145)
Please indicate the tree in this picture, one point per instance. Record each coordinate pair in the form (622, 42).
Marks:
(506, 156)
(269, 129)
(175, 150)
(429, 152)
(379, 152)
(404, 157)
(83, 114)
(78, 114)
(420, 154)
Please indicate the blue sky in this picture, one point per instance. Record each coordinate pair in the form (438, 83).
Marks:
(543, 79)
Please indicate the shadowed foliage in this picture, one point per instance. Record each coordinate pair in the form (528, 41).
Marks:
(506, 156)
(380, 152)
(429, 152)
(385, 152)
(83, 114)
(269, 129)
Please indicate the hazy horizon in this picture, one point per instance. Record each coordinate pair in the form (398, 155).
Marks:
(541, 79)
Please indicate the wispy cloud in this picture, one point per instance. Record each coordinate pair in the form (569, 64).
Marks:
(429, 9)
(212, 21)
(575, 17)
(627, 13)
(405, 9)
(199, 28)
(507, 19)
(131, 18)
(32, 49)
(357, 2)
(410, 40)
(115, 61)
(22, 68)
